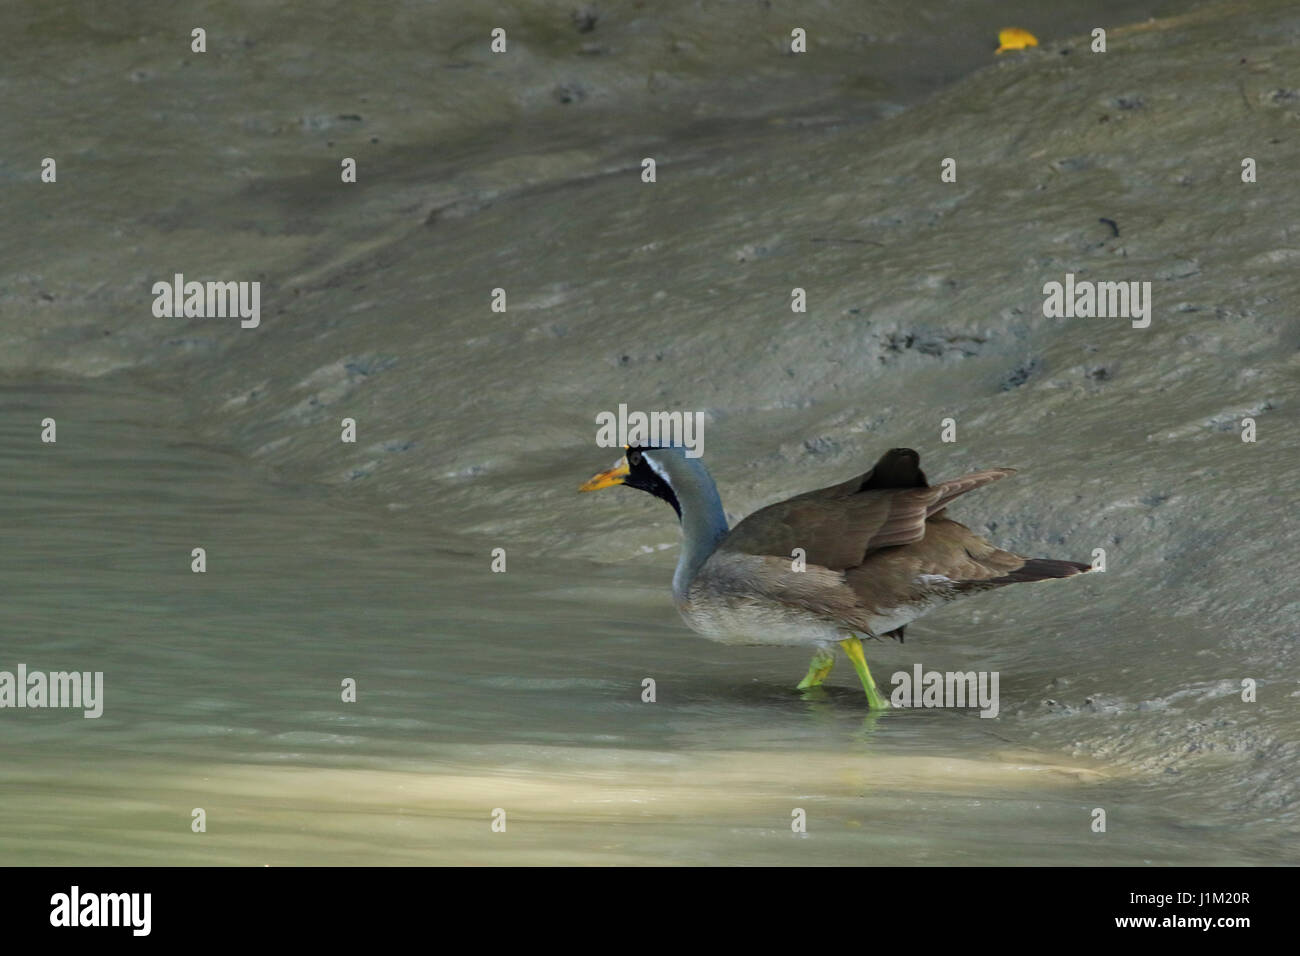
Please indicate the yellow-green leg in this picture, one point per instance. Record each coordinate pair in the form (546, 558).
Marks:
(821, 665)
(853, 648)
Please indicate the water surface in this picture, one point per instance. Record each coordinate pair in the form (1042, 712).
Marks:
(476, 691)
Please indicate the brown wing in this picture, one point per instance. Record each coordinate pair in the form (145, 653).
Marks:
(897, 468)
(872, 542)
(953, 556)
(959, 486)
(835, 533)
(949, 550)
(838, 527)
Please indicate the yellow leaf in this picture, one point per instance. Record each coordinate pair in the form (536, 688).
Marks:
(1014, 38)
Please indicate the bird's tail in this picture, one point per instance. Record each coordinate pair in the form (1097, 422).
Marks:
(1040, 569)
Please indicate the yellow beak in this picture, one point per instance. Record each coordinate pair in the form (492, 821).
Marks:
(607, 479)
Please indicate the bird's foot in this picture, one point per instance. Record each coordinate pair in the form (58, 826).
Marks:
(821, 665)
(853, 648)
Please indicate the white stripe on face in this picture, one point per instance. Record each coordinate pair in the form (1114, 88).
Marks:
(658, 470)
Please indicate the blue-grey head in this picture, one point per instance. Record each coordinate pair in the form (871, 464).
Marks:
(684, 483)
(665, 472)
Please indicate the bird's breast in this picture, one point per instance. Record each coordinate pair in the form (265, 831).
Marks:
(741, 621)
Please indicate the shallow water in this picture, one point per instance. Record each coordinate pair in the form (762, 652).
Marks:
(476, 691)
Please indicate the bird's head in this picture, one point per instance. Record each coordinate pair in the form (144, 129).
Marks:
(658, 470)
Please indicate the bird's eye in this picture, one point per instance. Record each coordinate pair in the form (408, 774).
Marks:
(634, 457)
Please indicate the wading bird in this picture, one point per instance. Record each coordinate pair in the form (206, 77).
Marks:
(875, 553)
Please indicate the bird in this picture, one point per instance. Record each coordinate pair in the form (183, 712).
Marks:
(862, 558)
